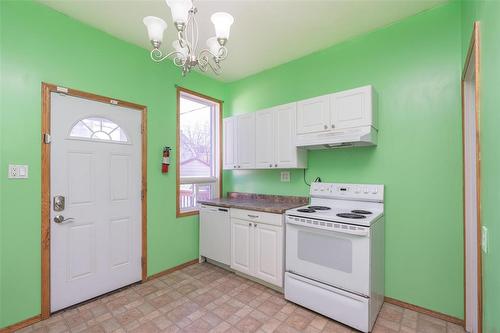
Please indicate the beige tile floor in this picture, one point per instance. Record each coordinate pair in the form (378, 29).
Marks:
(206, 298)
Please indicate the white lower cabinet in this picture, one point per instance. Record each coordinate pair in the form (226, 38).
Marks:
(241, 246)
(268, 253)
(257, 245)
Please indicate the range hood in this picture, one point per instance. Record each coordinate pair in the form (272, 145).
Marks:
(349, 137)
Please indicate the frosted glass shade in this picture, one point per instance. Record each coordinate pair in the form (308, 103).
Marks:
(156, 26)
(222, 22)
(213, 45)
(180, 10)
(177, 46)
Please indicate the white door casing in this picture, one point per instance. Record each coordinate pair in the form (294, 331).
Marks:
(100, 249)
(471, 187)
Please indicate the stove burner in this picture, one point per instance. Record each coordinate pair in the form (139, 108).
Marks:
(306, 210)
(319, 207)
(351, 216)
(360, 211)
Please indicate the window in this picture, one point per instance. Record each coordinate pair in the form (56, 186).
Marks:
(198, 152)
(98, 129)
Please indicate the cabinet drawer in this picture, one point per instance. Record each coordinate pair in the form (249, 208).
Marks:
(258, 217)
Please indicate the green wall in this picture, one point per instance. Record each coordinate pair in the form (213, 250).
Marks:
(39, 44)
(414, 65)
(488, 14)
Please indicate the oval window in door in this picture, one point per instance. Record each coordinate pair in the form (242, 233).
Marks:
(98, 129)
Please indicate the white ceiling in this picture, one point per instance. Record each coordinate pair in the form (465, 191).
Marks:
(264, 34)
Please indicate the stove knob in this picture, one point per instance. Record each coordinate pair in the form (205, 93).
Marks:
(365, 190)
(374, 191)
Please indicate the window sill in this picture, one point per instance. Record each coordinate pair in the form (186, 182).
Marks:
(188, 213)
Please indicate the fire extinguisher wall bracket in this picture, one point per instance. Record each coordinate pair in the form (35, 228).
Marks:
(166, 160)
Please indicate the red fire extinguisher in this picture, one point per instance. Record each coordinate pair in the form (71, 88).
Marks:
(166, 160)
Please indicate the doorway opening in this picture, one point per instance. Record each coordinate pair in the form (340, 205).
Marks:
(472, 187)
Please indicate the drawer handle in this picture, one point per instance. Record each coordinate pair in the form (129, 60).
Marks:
(253, 216)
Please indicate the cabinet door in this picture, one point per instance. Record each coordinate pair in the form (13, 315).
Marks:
(285, 151)
(313, 115)
(229, 144)
(242, 246)
(264, 139)
(269, 253)
(245, 141)
(351, 108)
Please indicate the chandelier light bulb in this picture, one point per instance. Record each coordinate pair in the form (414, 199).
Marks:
(156, 26)
(180, 10)
(222, 22)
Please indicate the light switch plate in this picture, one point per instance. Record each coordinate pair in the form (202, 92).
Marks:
(285, 176)
(18, 171)
(484, 239)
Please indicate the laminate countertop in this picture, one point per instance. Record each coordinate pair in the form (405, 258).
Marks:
(276, 204)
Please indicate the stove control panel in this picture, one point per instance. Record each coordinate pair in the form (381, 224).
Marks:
(368, 192)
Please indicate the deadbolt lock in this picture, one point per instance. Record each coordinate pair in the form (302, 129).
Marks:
(58, 203)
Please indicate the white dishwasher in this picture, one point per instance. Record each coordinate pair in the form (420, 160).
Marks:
(215, 233)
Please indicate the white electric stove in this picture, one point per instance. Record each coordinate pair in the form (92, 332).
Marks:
(335, 253)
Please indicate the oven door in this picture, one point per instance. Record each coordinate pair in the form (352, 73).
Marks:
(339, 257)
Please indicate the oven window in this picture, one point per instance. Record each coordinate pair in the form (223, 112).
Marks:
(328, 251)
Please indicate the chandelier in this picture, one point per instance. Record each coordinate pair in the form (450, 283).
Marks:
(185, 54)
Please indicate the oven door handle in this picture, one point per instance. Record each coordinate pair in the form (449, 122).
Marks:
(358, 232)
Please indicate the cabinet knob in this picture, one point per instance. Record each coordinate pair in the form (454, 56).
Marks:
(255, 224)
(333, 126)
(276, 165)
(249, 224)
(326, 126)
(234, 167)
(239, 166)
(271, 165)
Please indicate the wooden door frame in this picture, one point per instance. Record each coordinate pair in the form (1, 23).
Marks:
(47, 89)
(473, 51)
(179, 91)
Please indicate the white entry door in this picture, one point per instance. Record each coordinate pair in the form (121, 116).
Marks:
(95, 163)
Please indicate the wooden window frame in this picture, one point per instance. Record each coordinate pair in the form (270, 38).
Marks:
(47, 89)
(179, 91)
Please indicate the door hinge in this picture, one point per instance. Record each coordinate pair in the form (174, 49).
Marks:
(62, 90)
(46, 138)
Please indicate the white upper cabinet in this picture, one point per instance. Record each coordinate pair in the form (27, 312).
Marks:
(313, 115)
(263, 140)
(245, 141)
(352, 108)
(229, 146)
(264, 131)
(287, 155)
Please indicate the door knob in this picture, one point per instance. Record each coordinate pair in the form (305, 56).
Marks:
(60, 219)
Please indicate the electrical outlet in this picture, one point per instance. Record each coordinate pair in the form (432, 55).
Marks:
(18, 171)
(484, 239)
(285, 176)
